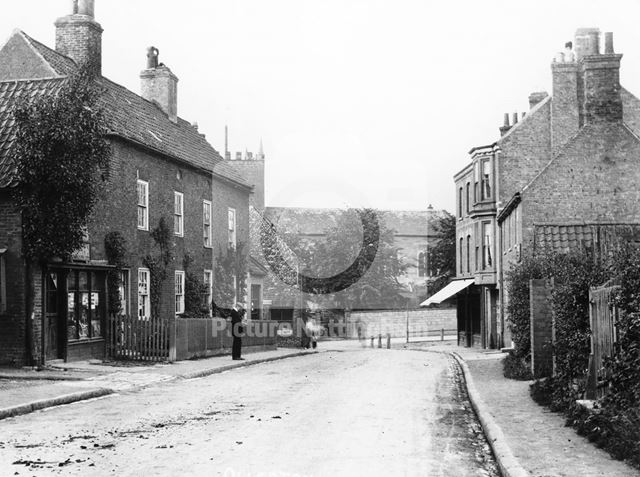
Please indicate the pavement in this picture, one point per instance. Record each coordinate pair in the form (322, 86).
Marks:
(24, 390)
(527, 439)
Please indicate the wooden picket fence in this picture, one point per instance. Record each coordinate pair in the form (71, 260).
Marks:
(602, 317)
(132, 338)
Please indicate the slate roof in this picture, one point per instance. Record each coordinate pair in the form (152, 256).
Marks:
(128, 114)
(308, 221)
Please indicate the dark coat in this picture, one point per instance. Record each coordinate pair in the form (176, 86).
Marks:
(237, 330)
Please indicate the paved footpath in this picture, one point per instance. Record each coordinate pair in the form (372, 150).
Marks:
(24, 391)
(538, 438)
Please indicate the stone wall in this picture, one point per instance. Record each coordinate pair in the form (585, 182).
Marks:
(423, 322)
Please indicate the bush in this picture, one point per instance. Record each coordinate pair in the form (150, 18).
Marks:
(517, 367)
(542, 391)
(613, 429)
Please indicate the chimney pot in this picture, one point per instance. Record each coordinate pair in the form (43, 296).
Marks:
(152, 57)
(515, 118)
(160, 86)
(608, 43)
(506, 120)
(86, 7)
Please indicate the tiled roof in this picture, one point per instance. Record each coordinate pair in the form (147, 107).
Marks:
(133, 117)
(566, 238)
(128, 114)
(10, 93)
(307, 221)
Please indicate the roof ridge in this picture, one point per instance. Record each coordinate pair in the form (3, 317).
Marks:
(34, 80)
(33, 44)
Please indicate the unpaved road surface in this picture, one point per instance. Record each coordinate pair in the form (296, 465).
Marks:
(362, 412)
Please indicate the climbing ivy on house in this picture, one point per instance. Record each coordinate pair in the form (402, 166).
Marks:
(230, 265)
(115, 247)
(159, 264)
(194, 292)
(61, 158)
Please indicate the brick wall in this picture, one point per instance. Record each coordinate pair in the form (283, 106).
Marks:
(541, 327)
(424, 322)
(12, 321)
(525, 151)
(594, 180)
(117, 211)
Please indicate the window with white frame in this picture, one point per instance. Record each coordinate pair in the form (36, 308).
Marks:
(487, 251)
(232, 228)
(123, 292)
(3, 283)
(178, 214)
(144, 303)
(422, 264)
(179, 278)
(206, 222)
(143, 205)
(208, 283)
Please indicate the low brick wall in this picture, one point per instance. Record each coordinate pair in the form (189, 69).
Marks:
(201, 338)
(423, 322)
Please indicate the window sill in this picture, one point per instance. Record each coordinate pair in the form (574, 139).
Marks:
(85, 340)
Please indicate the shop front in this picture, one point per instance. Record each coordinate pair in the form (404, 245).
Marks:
(75, 312)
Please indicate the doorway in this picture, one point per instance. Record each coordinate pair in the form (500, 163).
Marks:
(55, 315)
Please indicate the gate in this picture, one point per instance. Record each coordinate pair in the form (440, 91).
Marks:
(602, 318)
(132, 338)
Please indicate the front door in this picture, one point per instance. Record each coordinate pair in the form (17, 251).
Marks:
(55, 315)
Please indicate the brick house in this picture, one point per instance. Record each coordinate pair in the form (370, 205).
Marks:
(161, 167)
(562, 177)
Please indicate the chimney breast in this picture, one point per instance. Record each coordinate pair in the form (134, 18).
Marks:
(159, 85)
(79, 36)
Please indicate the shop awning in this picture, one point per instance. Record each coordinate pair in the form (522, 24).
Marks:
(447, 292)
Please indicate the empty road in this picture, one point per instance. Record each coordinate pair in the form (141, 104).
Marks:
(357, 412)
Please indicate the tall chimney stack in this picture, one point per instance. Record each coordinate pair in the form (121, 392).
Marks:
(159, 85)
(79, 36)
(601, 74)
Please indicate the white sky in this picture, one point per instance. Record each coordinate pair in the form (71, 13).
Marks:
(358, 102)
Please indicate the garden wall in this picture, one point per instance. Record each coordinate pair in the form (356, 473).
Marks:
(201, 338)
(420, 323)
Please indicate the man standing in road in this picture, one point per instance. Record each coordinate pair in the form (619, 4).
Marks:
(237, 330)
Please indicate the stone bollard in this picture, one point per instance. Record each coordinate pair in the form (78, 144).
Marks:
(372, 341)
(388, 340)
(379, 341)
(442, 334)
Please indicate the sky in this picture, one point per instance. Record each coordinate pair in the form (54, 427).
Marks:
(360, 103)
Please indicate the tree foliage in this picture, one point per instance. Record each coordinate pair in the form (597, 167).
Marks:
(61, 158)
(375, 287)
(442, 256)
